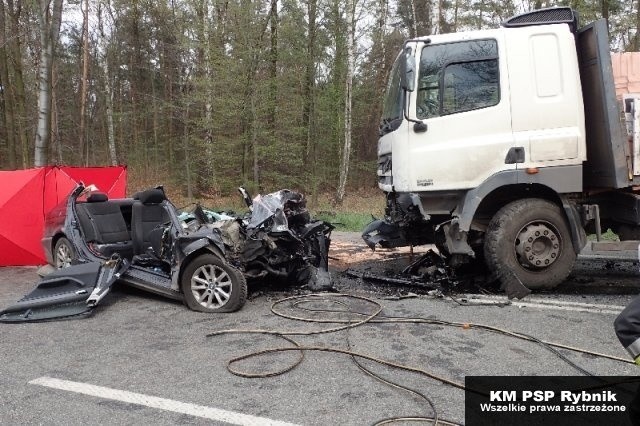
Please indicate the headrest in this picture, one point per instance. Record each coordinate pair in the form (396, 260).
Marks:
(151, 196)
(97, 197)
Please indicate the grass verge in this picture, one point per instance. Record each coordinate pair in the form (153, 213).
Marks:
(345, 221)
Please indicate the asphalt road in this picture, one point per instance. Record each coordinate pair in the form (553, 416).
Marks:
(153, 348)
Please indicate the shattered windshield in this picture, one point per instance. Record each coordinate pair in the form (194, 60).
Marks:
(270, 205)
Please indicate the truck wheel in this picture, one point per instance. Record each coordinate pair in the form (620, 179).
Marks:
(530, 238)
(63, 253)
(210, 284)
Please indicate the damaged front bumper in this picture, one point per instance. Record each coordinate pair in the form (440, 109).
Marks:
(384, 233)
(405, 224)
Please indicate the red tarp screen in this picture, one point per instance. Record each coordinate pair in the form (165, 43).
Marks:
(26, 196)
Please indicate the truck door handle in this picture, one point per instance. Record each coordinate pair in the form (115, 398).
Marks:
(420, 127)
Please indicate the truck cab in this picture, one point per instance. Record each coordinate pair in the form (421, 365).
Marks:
(504, 145)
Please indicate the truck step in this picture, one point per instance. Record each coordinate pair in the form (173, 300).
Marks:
(614, 245)
(624, 251)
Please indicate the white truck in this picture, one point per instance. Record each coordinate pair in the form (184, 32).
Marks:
(508, 145)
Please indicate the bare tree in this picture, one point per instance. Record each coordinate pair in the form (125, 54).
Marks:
(346, 149)
(49, 19)
(310, 72)
(108, 92)
(6, 94)
(14, 10)
(85, 78)
(636, 38)
(414, 27)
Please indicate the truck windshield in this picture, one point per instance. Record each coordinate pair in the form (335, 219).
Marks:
(392, 108)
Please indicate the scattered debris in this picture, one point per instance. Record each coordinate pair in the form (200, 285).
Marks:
(434, 272)
(429, 271)
(512, 285)
(403, 296)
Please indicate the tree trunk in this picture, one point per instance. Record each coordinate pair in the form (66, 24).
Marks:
(346, 150)
(49, 26)
(273, 67)
(414, 27)
(249, 111)
(135, 65)
(310, 74)
(8, 131)
(254, 142)
(19, 112)
(368, 150)
(208, 107)
(204, 174)
(455, 16)
(20, 100)
(636, 38)
(108, 92)
(85, 78)
(55, 128)
(187, 160)
(604, 8)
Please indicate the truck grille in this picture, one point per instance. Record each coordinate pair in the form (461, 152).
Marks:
(384, 163)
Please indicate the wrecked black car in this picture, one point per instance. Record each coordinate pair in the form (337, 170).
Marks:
(198, 257)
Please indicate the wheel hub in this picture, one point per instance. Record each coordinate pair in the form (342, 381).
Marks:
(211, 286)
(537, 246)
(63, 258)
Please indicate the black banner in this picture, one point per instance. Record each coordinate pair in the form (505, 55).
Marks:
(549, 401)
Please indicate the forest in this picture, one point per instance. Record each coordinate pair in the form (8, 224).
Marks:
(207, 95)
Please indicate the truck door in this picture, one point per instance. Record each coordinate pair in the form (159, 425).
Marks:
(462, 94)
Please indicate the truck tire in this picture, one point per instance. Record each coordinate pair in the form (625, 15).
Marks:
(209, 284)
(531, 239)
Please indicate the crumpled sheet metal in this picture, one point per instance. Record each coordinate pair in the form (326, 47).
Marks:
(231, 233)
(277, 205)
(384, 233)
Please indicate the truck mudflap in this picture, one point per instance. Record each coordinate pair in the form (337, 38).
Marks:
(69, 292)
(385, 233)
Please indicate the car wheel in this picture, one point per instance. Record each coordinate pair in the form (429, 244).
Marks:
(530, 238)
(209, 284)
(63, 253)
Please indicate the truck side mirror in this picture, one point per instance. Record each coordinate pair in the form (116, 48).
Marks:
(408, 74)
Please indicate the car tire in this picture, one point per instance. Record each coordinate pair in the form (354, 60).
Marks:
(531, 239)
(209, 284)
(63, 253)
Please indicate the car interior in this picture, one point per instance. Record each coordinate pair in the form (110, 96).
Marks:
(123, 226)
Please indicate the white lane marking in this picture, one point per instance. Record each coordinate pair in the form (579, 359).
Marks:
(160, 403)
(545, 304)
(550, 302)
